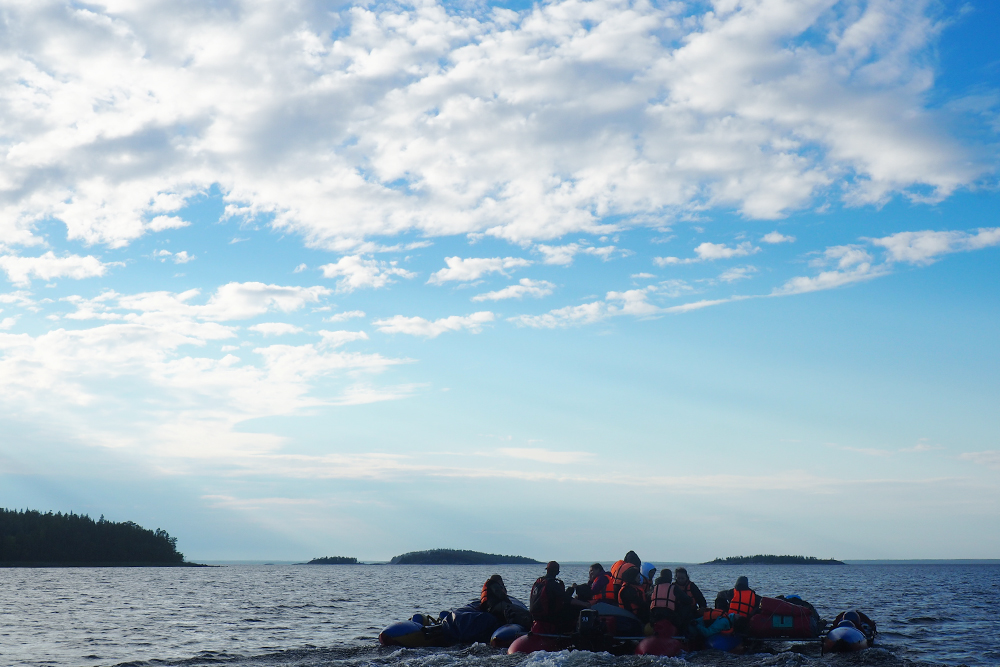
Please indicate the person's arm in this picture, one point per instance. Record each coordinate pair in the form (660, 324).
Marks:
(699, 597)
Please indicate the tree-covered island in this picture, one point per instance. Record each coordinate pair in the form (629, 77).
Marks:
(458, 557)
(31, 538)
(769, 559)
(333, 560)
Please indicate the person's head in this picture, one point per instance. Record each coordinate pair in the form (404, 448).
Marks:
(648, 571)
(742, 584)
(846, 624)
(665, 577)
(632, 557)
(596, 570)
(853, 617)
(552, 568)
(682, 576)
(631, 575)
(496, 579)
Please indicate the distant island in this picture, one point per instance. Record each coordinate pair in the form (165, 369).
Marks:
(768, 559)
(31, 538)
(333, 560)
(458, 557)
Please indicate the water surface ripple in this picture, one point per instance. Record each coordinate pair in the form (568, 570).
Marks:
(305, 616)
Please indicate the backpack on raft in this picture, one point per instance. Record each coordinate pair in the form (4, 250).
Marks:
(546, 595)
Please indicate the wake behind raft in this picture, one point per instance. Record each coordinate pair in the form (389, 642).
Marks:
(605, 627)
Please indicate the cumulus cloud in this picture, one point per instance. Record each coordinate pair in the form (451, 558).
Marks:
(524, 125)
(8, 323)
(275, 328)
(737, 273)
(466, 270)
(355, 272)
(775, 237)
(20, 270)
(233, 301)
(338, 338)
(524, 287)
(926, 246)
(344, 316)
(563, 254)
(181, 257)
(852, 264)
(709, 252)
(635, 302)
(418, 326)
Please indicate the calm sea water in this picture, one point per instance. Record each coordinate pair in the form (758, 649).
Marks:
(305, 616)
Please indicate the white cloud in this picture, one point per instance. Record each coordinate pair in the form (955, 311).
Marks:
(926, 246)
(466, 270)
(275, 328)
(418, 326)
(233, 301)
(642, 275)
(20, 270)
(300, 268)
(563, 254)
(523, 126)
(775, 237)
(987, 459)
(8, 323)
(181, 257)
(344, 316)
(162, 222)
(524, 287)
(854, 264)
(338, 338)
(710, 252)
(737, 273)
(356, 272)
(545, 455)
(630, 302)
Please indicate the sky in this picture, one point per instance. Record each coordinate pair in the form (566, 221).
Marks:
(299, 278)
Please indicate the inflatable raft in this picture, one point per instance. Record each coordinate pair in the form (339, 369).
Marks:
(465, 625)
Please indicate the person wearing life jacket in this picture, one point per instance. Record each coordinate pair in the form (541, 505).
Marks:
(684, 582)
(630, 561)
(647, 572)
(632, 596)
(596, 589)
(668, 601)
(550, 601)
(743, 604)
(493, 599)
(861, 622)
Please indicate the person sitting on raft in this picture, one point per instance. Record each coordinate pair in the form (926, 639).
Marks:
(598, 588)
(493, 599)
(630, 561)
(690, 588)
(550, 601)
(743, 602)
(647, 572)
(632, 596)
(669, 602)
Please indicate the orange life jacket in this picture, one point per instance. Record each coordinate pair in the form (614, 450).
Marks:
(664, 596)
(485, 594)
(632, 606)
(743, 602)
(617, 580)
(606, 594)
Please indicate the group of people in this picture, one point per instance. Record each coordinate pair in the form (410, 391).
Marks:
(630, 584)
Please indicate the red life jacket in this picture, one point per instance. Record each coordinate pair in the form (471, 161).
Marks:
(665, 596)
(546, 600)
(484, 595)
(634, 607)
(606, 594)
(743, 602)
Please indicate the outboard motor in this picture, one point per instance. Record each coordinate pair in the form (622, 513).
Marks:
(588, 630)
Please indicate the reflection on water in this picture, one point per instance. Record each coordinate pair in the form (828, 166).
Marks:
(331, 615)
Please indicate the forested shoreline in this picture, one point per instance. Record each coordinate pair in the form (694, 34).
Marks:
(33, 538)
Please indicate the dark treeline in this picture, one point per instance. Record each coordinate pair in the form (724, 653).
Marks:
(769, 559)
(458, 557)
(333, 560)
(30, 537)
